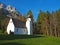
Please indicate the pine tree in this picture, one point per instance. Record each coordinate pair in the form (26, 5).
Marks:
(40, 19)
(58, 21)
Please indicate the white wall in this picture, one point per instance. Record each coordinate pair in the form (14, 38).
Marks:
(10, 27)
(29, 26)
(20, 31)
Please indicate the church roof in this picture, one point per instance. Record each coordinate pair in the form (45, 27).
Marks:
(17, 23)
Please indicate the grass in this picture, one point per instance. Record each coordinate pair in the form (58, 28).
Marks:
(28, 40)
(1, 31)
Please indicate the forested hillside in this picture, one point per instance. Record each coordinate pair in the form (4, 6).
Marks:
(48, 23)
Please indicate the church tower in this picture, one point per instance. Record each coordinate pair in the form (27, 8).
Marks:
(29, 25)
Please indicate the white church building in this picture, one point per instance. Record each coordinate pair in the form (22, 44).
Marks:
(19, 27)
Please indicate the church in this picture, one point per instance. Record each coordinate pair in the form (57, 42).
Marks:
(13, 24)
(20, 27)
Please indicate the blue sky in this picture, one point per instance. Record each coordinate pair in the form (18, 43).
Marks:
(35, 5)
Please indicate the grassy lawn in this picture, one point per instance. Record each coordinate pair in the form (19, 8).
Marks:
(1, 31)
(28, 40)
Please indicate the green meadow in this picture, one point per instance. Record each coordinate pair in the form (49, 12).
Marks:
(28, 40)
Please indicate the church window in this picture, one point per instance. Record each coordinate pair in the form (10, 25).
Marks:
(17, 29)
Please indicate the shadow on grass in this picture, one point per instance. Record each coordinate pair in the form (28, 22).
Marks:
(12, 43)
(12, 37)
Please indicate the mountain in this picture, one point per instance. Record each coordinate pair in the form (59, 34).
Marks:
(9, 11)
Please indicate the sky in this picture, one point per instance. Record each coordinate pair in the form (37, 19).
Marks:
(23, 6)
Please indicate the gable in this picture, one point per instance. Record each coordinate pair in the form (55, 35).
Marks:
(11, 23)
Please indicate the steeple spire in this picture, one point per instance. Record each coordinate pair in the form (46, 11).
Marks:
(29, 16)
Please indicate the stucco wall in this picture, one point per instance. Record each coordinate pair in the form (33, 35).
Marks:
(29, 26)
(10, 27)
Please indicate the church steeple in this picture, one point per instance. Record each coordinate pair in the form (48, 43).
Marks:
(29, 25)
(29, 16)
